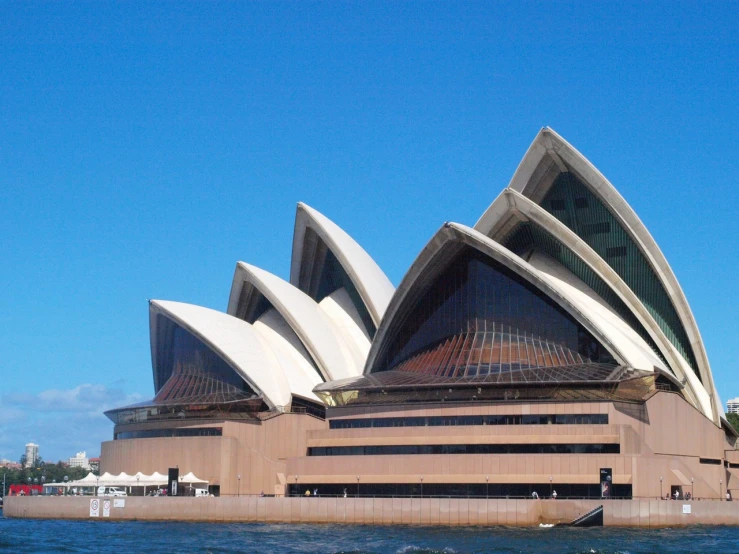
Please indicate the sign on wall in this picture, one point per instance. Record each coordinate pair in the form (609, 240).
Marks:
(119, 503)
(174, 475)
(606, 482)
(106, 508)
(686, 509)
(94, 507)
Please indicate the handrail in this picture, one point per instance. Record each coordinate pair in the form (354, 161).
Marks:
(439, 496)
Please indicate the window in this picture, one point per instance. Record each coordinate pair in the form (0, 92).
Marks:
(581, 202)
(425, 449)
(616, 252)
(158, 433)
(452, 490)
(597, 229)
(557, 204)
(444, 421)
(621, 252)
(479, 318)
(710, 461)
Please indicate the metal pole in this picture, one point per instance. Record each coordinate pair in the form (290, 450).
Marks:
(661, 496)
(487, 486)
(357, 486)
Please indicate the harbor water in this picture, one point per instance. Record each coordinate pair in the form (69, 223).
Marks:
(42, 536)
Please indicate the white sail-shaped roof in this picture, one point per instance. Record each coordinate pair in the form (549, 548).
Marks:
(290, 353)
(430, 262)
(233, 340)
(511, 208)
(370, 281)
(548, 158)
(336, 357)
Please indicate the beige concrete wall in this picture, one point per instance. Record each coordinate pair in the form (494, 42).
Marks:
(665, 438)
(204, 456)
(384, 511)
(255, 450)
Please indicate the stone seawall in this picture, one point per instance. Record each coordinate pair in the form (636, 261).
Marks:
(381, 511)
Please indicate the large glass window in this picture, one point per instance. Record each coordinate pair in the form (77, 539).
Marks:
(328, 276)
(444, 421)
(478, 318)
(158, 433)
(528, 236)
(543, 489)
(184, 354)
(420, 449)
(572, 202)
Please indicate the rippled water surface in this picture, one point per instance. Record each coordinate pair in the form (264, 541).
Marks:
(35, 536)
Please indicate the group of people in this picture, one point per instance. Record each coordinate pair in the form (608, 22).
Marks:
(535, 495)
(315, 492)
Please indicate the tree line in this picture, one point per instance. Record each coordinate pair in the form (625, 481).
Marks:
(40, 473)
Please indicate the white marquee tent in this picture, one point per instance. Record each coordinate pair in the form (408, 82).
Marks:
(156, 479)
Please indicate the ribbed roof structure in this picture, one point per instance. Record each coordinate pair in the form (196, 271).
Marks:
(277, 340)
(558, 282)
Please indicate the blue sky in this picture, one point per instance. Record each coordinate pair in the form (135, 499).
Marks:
(145, 148)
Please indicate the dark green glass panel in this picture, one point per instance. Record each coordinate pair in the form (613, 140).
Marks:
(528, 235)
(182, 351)
(572, 202)
(333, 277)
(475, 293)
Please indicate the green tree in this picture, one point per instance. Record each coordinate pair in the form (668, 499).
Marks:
(734, 420)
(42, 473)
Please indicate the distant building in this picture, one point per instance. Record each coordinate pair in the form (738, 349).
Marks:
(10, 464)
(95, 465)
(31, 454)
(732, 406)
(79, 460)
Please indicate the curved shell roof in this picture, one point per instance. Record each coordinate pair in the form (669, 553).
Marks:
(370, 281)
(333, 354)
(233, 340)
(550, 156)
(512, 207)
(284, 338)
(431, 262)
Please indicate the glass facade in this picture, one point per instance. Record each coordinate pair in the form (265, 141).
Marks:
(528, 236)
(328, 276)
(194, 365)
(420, 449)
(572, 202)
(157, 433)
(445, 421)
(457, 490)
(480, 318)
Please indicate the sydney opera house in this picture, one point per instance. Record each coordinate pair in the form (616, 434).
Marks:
(549, 347)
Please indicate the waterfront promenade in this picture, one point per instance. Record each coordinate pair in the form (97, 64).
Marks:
(382, 511)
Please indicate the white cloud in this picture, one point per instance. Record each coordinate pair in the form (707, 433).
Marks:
(62, 422)
(83, 398)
